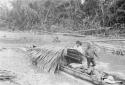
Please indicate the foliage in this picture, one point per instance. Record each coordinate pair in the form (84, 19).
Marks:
(69, 14)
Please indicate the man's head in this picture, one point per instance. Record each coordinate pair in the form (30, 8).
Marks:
(78, 43)
(89, 45)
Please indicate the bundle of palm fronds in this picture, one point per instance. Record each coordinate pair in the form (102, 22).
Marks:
(6, 75)
(47, 59)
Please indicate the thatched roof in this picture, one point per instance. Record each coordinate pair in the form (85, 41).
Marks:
(47, 58)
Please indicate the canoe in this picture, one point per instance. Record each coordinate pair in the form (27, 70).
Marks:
(86, 77)
(79, 74)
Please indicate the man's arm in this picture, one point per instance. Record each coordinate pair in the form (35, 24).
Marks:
(96, 54)
(85, 54)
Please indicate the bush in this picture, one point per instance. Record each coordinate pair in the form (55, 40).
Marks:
(67, 15)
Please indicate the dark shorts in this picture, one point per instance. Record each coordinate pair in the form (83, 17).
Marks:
(90, 61)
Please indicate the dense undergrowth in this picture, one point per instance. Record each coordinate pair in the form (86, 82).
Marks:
(92, 16)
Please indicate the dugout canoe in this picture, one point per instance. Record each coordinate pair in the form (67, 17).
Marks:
(86, 77)
(79, 74)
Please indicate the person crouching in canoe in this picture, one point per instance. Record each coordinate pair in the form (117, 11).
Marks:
(90, 55)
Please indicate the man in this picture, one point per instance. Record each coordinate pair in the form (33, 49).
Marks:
(78, 51)
(76, 54)
(90, 55)
(78, 47)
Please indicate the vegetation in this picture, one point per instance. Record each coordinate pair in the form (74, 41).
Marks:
(47, 59)
(66, 15)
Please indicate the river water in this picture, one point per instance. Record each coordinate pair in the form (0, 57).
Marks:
(14, 60)
(112, 63)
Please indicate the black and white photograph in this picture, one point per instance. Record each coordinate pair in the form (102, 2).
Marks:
(62, 42)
